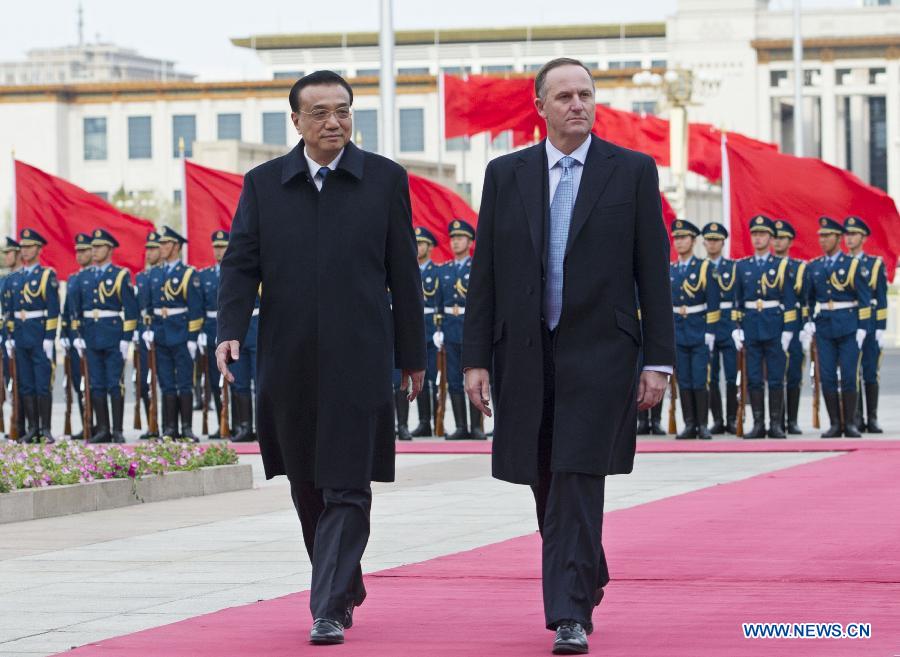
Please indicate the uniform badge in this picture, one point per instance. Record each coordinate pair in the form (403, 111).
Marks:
(174, 281)
(759, 220)
(693, 276)
(841, 272)
(714, 226)
(109, 281)
(726, 275)
(456, 224)
(771, 272)
(823, 221)
(851, 221)
(97, 233)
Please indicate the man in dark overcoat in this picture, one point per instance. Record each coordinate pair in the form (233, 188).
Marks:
(328, 337)
(568, 230)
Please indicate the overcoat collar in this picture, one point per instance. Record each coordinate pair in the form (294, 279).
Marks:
(352, 161)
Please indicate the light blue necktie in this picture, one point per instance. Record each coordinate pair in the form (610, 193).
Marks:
(560, 219)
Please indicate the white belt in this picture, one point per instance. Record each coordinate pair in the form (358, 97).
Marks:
(454, 310)
(429, 311)
(759, 304)
(211, 314)
(255, 312)
(30, 314)
(689, 310)
(101, 314)
(166, 312)
(836, 305)
(726, 305)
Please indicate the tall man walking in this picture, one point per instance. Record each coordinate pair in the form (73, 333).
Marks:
(330, 337)
(559, 326)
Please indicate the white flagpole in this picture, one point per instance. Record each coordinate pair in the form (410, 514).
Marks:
(726, 191)
(14, 217)
(798, 83)
(387, 84)
(183, 197)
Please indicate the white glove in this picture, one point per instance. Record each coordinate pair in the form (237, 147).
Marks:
(202, 342)
(192, 348)
(438, 339)
(148, 338)
(860, 337)
(879, 338)
(48, 349)
(805, 340)
(80, 345)
(65, 343)
(10, 345)
(738, 336)
(123, 347)
(786, 337)
(810, 327)
(710, 340)
(136, 338)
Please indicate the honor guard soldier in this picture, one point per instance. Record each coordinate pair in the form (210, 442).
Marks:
(142, 293)
(107, 309)
(454, 287)
(872, 270)
(841, 298)
(426, 402)
(767, 323)
(176, 300)
(796, 273)
(12, 261)
(648, 422)
(69, 322)
(695, 302)
(34, 295)
(724, 355)
(209, 279)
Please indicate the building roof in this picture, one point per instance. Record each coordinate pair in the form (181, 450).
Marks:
(463, 35)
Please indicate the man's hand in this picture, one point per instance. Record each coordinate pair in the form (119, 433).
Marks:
(879, 338)
(228, 352)
(860, 337)
(192, 349)
(123, 348)
(48, 349)
(651, 389)
(710, 340)
(418, 380)
(148, 339)
(202, 342)
(80, 346)
(786, 337)
(438, 339)
(738, 336)
(478, 388)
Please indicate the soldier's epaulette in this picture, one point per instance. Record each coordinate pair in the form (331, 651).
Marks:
(746, 259)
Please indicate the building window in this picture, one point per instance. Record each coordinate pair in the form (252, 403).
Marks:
(458, 144)
(812, 77)
(457, 70)
(413, 70)
(644, 107)
(412, 130)
(616, 66)
(176, 196)
(532, 68)
(497, 68)
(502, 141)
(365, 129)
(368, 72)
(95, 138)
(103, 195)
(876, 75)
(843, 75)
(464, 189)
(287, 75)
(776, 77)
(878, 142)
(140, 143)
(184, 128)
(658, 63)
(274, 128)
(229, 126)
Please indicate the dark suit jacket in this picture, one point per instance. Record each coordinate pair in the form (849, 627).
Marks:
(328, 336)
(617, 242)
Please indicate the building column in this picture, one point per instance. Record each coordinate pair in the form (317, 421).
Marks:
(893, 126)
(859, 136)
(828, 106)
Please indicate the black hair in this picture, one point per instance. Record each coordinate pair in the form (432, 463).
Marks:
(316, 78)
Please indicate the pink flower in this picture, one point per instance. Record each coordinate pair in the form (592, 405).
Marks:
(132, 470)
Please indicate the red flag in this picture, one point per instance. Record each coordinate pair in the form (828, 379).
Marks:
(58, 210)
(669, 215)
(800, 190)
(211, 198)
(647, 134)
(433, 207)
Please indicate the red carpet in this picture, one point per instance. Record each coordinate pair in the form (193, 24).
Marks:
(812, 543)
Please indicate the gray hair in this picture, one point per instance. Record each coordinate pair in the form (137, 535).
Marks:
(552, 64)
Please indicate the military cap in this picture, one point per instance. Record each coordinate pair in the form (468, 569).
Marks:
(856, 225)
(168, 234)
(82, 241)
(460, 227)
(11, 245)
(715, 231)
(761, 223)
(784, 229)
(103, 238)
(152, 240)
(683, 227)
(220, 238)
(828, 225)
(424, 235)
(30, 237)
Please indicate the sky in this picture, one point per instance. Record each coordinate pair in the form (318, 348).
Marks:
(196, 33)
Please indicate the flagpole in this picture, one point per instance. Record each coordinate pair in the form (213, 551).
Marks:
(726, 190)
(14, 217)
(798, 83)
(387, 84)
(183, 196)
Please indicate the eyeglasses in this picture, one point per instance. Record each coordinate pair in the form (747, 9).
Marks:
(321, 115)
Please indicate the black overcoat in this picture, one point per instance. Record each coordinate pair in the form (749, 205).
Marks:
(328, 336)
(617, 244)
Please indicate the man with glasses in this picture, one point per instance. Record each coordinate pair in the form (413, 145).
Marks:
(330, 335)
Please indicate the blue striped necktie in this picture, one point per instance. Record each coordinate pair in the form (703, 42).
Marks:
(560, 220)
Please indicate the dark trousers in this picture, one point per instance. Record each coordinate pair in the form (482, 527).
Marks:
(570, 518)
(335, 525)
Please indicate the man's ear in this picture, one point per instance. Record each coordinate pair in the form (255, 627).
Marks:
(539, 106)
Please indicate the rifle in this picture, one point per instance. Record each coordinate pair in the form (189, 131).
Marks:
(207, 390)
(224, 427)
(441, 406)
(88, 411)
(816, 382)
(2, 400)
(152, 426)
(67, 366)
(137, 386)
(741, 392)
(673, 397)
(14, 415)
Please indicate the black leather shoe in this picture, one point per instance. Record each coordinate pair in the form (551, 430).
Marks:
(326, 632)
(571, 639)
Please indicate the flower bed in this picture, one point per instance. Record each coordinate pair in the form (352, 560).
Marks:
(39, 466)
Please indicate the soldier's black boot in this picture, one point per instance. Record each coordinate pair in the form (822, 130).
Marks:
(833, 406)
(851, 430)
(148, 435)
(244, 406)
(101, 412)
(701, 404)
(45, 412)
(643, 423)
(170, 417)
(423, 405)
(776, 413)
(655, 420)
(401, 406)
(476, 432)
(186, 404)
(29, 413)
(458, 403)
(793, 407)
(688, 412)
(731, 408)
(117, 404)
(758, 406)
(872, 425)
(715, 407)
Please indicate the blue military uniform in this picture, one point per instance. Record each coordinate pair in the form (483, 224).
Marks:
(68, 329)
(871, 269)
(724, 354)
(767, 307)
(426, 402)
(176, 301)
(695, 302)
(142, 294)
(34, 305)
(209, 279)
(7, 326)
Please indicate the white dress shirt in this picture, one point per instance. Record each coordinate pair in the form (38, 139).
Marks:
(315, 166)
